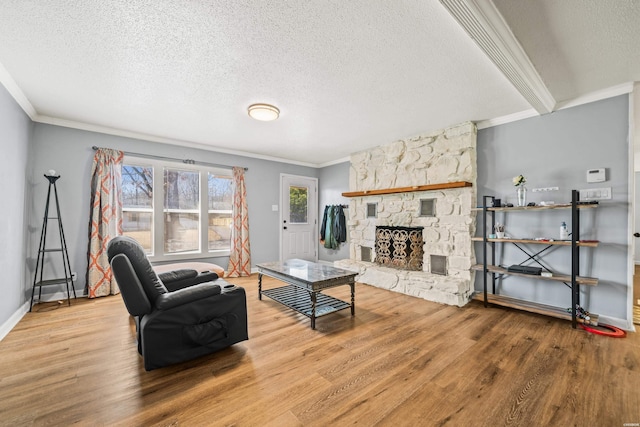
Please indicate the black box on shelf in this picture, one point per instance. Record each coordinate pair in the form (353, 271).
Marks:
(525, 269)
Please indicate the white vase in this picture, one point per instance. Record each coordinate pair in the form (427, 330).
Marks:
(522, 195)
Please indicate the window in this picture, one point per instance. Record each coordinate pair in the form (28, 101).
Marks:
(181, 210)
(298, 207)
(137, 204)
(220, 209)
(177, 211)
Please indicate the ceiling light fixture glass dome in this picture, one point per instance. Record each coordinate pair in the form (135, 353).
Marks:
(263, 112)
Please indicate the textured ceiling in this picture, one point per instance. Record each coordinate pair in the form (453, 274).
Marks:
(346, 75)
(578, 46)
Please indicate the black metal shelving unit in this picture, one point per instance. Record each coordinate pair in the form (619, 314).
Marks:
(38, 280)
(491, 272)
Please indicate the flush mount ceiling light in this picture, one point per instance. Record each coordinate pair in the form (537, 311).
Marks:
(263, 112)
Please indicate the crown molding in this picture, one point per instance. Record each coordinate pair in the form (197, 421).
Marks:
(334, 162)
(598, 95)
(486, 26)
(483, 124)
(154, 138)
(14, 90)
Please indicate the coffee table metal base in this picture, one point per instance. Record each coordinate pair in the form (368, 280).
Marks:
(303, 294)
(301, 301)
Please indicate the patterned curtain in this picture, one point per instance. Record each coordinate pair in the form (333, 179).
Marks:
(240, 257)
(105, 221)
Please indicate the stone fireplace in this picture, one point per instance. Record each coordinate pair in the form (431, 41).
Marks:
(435, 262)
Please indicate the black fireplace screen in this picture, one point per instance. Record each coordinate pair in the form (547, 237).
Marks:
(399, 247)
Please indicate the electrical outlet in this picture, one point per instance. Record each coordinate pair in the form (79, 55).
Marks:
(595, 194)
(74, 276)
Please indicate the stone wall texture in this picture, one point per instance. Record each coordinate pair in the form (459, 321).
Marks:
(440, 157)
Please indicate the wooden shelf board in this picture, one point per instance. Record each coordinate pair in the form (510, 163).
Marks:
(536, 208)
(584, 243)
(428, 187)
(590, 281)
(532, 307)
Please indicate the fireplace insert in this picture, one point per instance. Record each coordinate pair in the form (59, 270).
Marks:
(399, 247)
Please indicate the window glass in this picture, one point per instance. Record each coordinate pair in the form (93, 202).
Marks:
(220, 204)
(190, 213)
(298, 207)
(137, 204)
(181, 210)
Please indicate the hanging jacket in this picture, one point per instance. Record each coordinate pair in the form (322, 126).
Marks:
(330, 241)
(340, 225)
(324, 224)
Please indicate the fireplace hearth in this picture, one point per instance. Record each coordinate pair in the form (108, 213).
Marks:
(399, 247)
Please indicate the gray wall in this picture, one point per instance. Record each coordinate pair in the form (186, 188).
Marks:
(556, 150)
(69, 152)
(333, 181)
(552, 150)
(636, 228)
(15, 143)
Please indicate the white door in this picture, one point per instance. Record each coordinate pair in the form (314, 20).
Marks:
(299, 217)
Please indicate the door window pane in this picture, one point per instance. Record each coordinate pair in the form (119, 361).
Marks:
(137, 204)
(181, 211)
(298, 207)
(220, 206)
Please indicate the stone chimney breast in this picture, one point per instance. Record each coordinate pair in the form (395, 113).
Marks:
(445, 156)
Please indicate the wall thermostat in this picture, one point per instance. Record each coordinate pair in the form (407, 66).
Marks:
(596, 175)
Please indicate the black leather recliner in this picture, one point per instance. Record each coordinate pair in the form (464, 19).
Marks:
(180, 325)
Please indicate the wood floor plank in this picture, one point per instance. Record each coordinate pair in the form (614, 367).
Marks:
(399, 361)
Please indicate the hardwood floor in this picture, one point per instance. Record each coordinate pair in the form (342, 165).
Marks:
(399, 361)
(636, 295)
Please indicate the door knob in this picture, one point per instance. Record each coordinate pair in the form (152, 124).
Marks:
(284, 228)
(636, 234)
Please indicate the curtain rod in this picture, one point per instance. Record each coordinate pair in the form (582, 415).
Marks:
(187, 161)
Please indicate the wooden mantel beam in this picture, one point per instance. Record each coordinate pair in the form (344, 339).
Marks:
(429, 187)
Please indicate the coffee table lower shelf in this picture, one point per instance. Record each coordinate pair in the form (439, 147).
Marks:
(300, 300)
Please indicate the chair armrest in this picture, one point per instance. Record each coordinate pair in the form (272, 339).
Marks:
(183, 278)
(175, 275)
(187, 295)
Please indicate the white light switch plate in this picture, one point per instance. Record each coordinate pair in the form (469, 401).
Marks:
(595, 193)
(537, 190)
(274, 208)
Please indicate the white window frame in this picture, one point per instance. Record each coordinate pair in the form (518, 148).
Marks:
(158, 166)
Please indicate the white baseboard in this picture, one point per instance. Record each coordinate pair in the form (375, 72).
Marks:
(617, 322)
(7, 326)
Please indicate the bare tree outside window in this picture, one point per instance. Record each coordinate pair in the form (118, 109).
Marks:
(178, 227)
(137, 204)
(181, 210)
(220, 209)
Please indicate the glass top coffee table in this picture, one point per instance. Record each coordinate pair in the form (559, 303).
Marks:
(306, 280)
